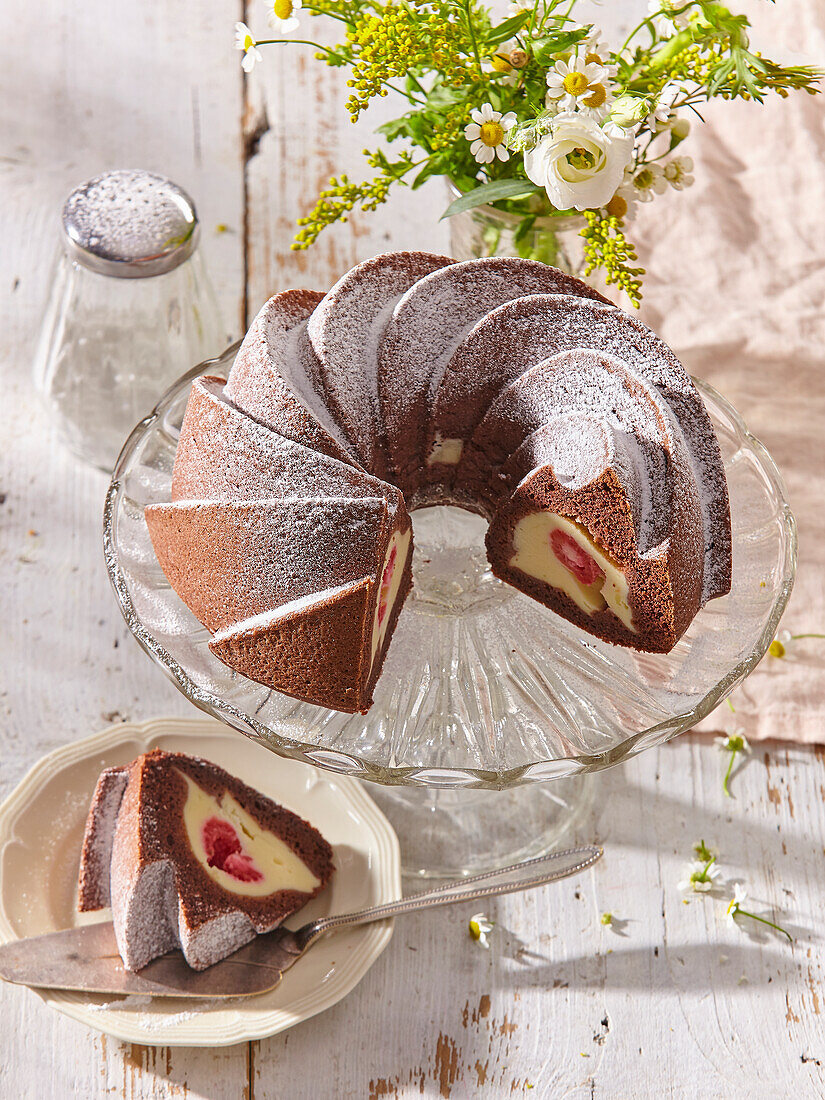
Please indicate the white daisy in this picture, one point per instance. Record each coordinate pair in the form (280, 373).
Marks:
(596, 51)
(677, 172)
(649, 181)
(662, 112)
(699, 878)
(784, 643)
(734, 742)
(518, 6)
(486, 133)
(596, 104)
(570, 82)
(623, 204)
(480, 928)
(282, 16)
(244, 41)
(735, 904)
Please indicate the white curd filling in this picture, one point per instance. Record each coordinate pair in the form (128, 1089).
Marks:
(534, 539)
(445, 451)
(390, 582)
(220, 829)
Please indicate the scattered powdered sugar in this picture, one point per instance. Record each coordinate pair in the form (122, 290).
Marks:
(128, 215)
(130, 1003)
(156, 1017)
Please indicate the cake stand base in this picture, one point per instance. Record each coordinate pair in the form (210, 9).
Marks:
(453, 833)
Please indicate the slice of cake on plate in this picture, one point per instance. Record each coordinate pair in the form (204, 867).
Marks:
(188, 856)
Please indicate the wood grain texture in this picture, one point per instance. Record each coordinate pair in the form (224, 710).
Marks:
(671, 1001)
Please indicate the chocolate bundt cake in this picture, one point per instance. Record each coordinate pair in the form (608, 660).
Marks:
(499, 385)
(188, 856)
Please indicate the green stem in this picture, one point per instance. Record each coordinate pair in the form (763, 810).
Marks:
(728, 773)
(795, 637)
(472, 33)
(764, 920)
(331, 14)
(644, 23)
(334, 53)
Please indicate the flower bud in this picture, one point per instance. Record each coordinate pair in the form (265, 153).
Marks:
(518, 58)
(628, 110)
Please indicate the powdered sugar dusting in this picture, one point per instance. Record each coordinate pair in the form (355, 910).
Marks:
(268, 618)
(271, 376)
(345, 331)
(426, 327)
(229, 560)
(582, 381)
(225, 455)
(516, 366)
(516, 336)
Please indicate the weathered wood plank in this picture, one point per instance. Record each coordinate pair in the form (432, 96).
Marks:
(655, 1006)
(102, 86)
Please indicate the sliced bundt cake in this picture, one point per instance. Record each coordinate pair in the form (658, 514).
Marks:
(500, 385)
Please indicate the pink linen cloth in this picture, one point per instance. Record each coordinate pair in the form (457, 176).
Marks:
(736, 285)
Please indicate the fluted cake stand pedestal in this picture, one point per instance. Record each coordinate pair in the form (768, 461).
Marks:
(490, 710)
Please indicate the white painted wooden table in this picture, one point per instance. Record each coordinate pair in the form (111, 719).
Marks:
(672, 1001)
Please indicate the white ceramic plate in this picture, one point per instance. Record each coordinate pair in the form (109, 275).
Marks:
(41, 827)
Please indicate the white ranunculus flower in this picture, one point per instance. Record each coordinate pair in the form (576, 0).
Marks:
(577, 163)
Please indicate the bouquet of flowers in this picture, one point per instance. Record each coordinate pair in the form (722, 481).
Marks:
(535, 114)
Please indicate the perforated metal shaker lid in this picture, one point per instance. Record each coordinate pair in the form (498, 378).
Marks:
(130, 224)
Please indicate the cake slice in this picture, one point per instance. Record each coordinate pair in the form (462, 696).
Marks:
(427, 325)
(327, 648)
(230, 561)
(292, 603)
(345, 332)
(274, 376)
(189, 856)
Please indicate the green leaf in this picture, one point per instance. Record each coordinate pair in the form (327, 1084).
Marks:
(551, 45)
(490, 192)
(506, 30)
(396, 128)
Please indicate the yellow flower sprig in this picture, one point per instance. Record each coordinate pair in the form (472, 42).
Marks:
(607, 247)
(395, 39)
(336, 201)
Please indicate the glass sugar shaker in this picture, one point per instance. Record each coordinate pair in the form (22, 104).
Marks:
(131, 309)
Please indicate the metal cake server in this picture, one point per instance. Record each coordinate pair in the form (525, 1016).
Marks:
(87, 958)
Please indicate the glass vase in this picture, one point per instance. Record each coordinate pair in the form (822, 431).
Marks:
(487, 231)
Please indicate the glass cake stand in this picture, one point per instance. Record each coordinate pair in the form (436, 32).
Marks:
(490, 708)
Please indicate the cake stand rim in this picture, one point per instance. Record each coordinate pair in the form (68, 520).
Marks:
(440, 776)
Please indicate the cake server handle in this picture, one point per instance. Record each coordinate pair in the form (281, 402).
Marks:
(489, 884)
